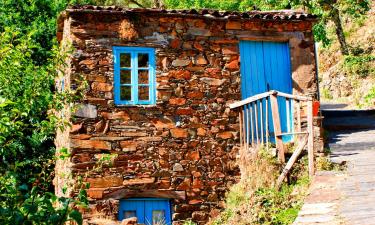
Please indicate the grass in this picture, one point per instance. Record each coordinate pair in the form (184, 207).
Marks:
(254, 200)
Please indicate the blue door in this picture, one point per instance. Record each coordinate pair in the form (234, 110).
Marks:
(148, 211)
(266, 66)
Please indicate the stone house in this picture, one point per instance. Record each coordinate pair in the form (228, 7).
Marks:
(156, 103)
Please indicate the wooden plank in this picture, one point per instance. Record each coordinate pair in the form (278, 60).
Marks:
(310, 143)
(267, 133)
(298, 107)
(297, 97)
(243, 127)
(287, 103)
(251, 123)
(256, 121)
(261, 122)
(241, 124)
(265, 94)
(277, 127)
(291, 161)
(249, 100)
(247, 127)
(292, 133)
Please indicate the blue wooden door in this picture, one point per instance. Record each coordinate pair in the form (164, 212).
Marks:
(148, 211)
(266, 66)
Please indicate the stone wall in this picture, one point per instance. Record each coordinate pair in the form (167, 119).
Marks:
(185, 146)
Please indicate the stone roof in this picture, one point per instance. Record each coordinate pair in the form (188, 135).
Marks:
(283, 15)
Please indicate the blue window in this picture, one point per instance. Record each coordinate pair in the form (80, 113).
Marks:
(134, 76)
(147, 210)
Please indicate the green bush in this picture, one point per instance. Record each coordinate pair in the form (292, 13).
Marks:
(359, 66)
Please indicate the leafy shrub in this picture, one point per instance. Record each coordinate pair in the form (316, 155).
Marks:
(359, 66)
(254, 200)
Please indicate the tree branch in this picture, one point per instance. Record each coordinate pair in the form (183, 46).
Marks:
(137, 3)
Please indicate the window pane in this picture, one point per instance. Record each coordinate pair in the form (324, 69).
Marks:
(125, 77)
(158, 217)
(125, 60)
(125, 93)
(142, 60)
(143, 93)
(142, 76)
(129, 214)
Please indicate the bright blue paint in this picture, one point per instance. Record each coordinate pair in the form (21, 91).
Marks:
(266, 66)
(134, 51)
(144, 208)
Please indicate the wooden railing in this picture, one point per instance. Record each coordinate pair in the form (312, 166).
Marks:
(262, 122)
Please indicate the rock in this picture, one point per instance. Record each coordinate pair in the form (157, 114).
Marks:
(179, 133)
(86, 111)
(180, 62)
(135, 181)
(177, 167)
(130, 221)
(177, 101)
(212, 81)
(105, 182)
(90, 144)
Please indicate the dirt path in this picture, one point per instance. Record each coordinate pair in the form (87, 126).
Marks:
(346, 197)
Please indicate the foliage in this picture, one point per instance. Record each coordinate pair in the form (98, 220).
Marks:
(359, 66)
(254, 200)
(29, 64)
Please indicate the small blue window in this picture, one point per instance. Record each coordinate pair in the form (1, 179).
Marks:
(134, 76)
(147, 210)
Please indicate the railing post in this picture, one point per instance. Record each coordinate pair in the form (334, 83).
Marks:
(310, 142)
(277, 126)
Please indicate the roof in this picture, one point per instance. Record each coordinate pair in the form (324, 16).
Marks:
(204, 13)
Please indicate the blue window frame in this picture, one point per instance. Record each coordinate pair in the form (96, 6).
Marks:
(134, 76)
(147, 210)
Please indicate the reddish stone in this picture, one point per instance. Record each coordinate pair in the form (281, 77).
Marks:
(198, 46)
(195, 95)
(106, 181)
(217, 175)
(200, 60)
(195, 201)
(81, 136)
(90, 144)
(201, 132)
(161, 124)
(230, 50)
(197, 174)
(75, 128)
(98, 86)
(200, 24)
(96, 193)
(184, 111)
(193, 155)
(180, 74)
(184, 185)
(197, 183)
(225, 135)
(177, 101)
(233, 65)
(233, 25)
(98, 78)
(116, 115)
(175, 43)
(136, 181)
(179, 133)
(128, 145)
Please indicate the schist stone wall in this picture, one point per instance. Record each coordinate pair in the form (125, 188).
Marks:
(185, 146)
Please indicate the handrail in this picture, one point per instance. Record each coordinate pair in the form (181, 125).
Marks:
(260, 114)
(266, 94)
